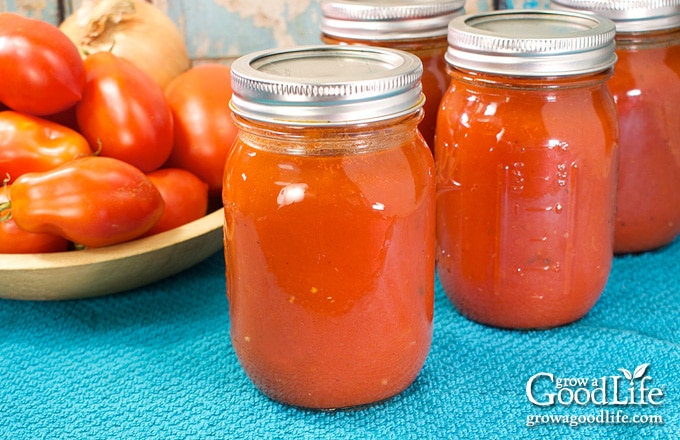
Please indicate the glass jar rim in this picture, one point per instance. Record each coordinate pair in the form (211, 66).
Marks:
(380, 20)
(532, 43)
(326, 85)
(628, 15)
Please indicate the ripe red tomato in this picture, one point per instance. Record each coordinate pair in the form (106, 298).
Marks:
(185, 197)
(92, 201)
(14, 240)
(204, 130)
(33, 144)
(41, 68)
(124, 114)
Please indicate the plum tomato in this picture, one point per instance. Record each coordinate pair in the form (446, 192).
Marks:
(42, 70)
(204, 129)
(124, 114)
(92, 201)
(14, 240)
(185, 197)
(33, 144)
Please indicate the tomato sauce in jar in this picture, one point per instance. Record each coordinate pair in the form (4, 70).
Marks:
(329, 197)
(646, 89)
(418, 27)
(526, 156)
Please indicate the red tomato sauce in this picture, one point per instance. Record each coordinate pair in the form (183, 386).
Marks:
(525, 200)
(330, 274)
(646, 88)
(435, 79)
(435, 82)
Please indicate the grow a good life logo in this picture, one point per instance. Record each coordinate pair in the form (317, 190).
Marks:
(613, 395)
(603, 391)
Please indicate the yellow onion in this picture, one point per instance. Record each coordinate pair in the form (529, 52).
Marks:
(132, 29)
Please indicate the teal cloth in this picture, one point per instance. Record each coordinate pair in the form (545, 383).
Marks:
(157, 363)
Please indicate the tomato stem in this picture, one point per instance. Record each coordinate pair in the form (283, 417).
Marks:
(99, 147)
(5, 206)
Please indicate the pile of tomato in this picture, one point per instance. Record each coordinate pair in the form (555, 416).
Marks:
(93, 151)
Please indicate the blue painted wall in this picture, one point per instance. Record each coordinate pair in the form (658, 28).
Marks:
(226, 29)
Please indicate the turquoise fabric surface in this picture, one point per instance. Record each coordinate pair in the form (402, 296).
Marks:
(157, 363)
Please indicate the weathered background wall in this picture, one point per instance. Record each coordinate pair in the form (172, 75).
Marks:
(226, 29)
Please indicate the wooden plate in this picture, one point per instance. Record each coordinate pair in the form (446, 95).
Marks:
(95, 272)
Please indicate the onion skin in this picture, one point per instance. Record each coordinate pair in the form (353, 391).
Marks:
(134, 30)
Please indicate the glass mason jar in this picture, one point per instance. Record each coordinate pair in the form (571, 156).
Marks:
(418, 27)
(646, 89)
(526, 167)
(329, 199)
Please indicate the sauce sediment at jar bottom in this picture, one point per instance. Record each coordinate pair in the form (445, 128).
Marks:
(330, 271)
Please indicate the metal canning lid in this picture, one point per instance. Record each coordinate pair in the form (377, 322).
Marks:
(628, 15)
(531, 43)
(326, 85)
(381, 20)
